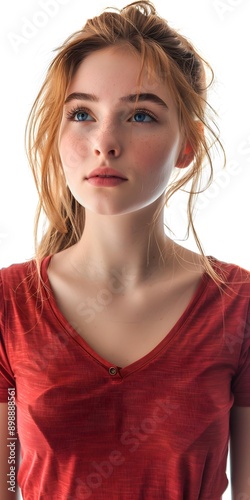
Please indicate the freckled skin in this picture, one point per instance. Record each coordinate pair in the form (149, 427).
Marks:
(144, 152)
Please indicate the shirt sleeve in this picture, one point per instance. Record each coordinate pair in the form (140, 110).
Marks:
(241, 380)
(6, 375)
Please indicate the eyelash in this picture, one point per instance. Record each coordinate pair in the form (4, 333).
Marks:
(145, 112)
(71, 114)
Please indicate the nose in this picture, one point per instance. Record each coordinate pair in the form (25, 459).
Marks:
(107, 143)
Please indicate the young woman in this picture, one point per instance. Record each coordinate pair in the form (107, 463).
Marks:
(126, 354)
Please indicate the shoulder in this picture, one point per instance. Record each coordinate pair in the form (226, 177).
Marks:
(229, 301)
(15, 270)
(12, 276)
(229, 268)
(218, 275)
(19, 279)
(234, 277)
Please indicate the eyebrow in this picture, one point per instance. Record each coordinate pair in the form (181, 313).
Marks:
(81, 96)
(144, 97)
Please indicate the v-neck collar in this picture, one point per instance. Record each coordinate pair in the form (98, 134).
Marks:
(144, 360)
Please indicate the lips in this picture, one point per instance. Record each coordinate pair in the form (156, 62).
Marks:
(106, 172)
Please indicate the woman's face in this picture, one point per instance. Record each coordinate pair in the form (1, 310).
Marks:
(118, 154)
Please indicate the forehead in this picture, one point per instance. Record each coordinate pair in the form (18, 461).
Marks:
(119, 70)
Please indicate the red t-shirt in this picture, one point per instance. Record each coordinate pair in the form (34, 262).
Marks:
(157, 429)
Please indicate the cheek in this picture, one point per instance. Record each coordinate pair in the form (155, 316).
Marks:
(156, 155)
(72, 150)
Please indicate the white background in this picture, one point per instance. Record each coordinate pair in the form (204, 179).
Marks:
(30, 30)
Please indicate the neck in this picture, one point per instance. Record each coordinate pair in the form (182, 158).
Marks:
(129, 243)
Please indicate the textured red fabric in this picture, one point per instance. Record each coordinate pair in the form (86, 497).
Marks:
(157, 429)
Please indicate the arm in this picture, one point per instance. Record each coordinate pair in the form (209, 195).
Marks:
(240, 452)
(5, 456)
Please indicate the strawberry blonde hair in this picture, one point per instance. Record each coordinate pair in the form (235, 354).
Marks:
(167, 56)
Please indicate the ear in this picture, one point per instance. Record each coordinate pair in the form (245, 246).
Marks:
(186, 156)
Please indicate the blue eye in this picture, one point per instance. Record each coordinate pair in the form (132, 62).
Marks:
(82, 116)
(141, 117)
(79, 115)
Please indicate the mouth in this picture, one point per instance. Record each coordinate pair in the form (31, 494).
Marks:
(106, 173)
(107, 177)
(106, 180)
